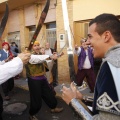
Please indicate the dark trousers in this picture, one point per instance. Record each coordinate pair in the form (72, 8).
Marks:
(8, 86)
(1, 107)
(55, 72)
(40, 89)
(90, 76)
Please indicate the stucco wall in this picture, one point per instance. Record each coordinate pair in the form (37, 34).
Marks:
(88, 9)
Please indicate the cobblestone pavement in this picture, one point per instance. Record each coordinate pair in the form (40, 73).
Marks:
(19, 95)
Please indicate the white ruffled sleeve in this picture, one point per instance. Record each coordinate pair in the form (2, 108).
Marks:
(35, 59)
(10, 69)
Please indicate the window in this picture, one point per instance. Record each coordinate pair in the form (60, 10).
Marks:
(31, 31)
(14, 37)
(51, 34)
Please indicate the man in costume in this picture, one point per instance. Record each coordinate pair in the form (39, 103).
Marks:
(10, 69)
(38, 85)
(85, 65)
(104, 37)
(6, 55)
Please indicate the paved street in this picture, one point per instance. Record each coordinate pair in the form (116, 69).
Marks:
(22, 96)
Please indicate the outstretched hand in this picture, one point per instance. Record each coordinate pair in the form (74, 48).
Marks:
(76, 47)
(75, 90)
(54, 56)
(69, 93)
(24, 57)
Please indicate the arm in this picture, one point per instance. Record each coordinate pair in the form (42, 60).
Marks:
(69, 96)
(35, 59)
(77, 50)
(10, 69)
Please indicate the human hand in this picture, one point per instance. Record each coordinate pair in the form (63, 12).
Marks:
(75, 90)
(67, 94)
(24, 57)
(61, 54)
(76, 47)
(9, 58)
(54, 56)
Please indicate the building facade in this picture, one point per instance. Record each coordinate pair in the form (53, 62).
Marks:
(24, 16)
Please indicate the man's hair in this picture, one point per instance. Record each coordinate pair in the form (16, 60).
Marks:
(83, 40)
(107, 22)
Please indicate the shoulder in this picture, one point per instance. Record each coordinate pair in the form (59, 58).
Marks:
(105, 82)
(106, 90)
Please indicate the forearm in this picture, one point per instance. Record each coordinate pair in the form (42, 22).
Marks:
(35, 59)
(80, 109)
(10, 69)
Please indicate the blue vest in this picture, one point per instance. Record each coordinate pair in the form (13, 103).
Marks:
(3, 55)
(82, 56)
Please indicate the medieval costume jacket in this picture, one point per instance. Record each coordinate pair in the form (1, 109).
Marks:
(106, 105)
(37, 66)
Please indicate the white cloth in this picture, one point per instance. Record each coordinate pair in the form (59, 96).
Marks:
(50, 66)
(35, 59)
(116, 76)
(48, 52)
(2, 62)
(10, 69)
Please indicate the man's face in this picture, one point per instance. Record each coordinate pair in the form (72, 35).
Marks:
(36, 48)
(47, 46)
(96, 41)
(42, 50)
(84, 45)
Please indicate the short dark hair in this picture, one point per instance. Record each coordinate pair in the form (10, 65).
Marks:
(108, 22)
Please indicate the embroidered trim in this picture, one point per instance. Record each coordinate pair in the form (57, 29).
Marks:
(105, 103)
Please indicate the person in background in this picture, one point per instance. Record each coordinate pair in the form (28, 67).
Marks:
(5, 56)
(37, 82)
(85, 65)
(42, 50)
(14, 49)
(104, 37)
(6, 72)
(54, 70)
